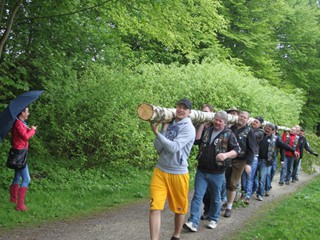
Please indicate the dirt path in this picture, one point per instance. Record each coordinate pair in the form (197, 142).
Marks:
(131, 222)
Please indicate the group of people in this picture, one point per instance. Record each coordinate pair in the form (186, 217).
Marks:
(235, 156)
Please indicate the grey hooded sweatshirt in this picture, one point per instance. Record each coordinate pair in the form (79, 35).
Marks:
(174, 146)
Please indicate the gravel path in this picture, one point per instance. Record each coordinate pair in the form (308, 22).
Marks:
(131, 222)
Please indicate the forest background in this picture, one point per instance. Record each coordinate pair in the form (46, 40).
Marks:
(98, 60)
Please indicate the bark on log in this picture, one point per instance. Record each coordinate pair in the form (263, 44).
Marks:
(156, 114)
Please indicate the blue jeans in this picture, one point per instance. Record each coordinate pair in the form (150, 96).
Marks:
(224, 190)
(290, 161)
(284, 170)
(207, 198)
(248, 179)
(22, 174)
(268, 178)
(201, 183)
(296, 169)
(262, 170)
(273, 171)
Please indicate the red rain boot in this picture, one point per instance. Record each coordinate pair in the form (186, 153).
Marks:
(21, 196)
(14, 188)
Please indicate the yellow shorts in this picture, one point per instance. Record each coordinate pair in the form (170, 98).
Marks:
(175, 187)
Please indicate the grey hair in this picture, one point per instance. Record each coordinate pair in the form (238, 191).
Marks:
(222, 114)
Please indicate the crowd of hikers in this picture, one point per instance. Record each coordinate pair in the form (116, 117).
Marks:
(233, 159)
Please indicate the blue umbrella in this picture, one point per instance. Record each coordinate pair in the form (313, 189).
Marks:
(16, 106)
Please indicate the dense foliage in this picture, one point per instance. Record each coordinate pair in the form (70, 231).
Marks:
(97, 60)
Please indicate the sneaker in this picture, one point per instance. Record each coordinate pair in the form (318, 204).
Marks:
(297, 179)
(189, 226)
(247, 201)
(205, 216)
(227, 213)
(259, 198)
(287, 183)
(212, 224)
(281, 183)
(293, 180)
(267, 194)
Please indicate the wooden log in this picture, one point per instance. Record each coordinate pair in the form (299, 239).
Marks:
(156, 114)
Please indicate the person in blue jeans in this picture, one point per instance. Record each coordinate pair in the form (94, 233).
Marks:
(267, 150)
(21, 134)
(248, 176)
(291, 138)
(272, 171)
(303, 144)
(217, 146)
(200, 130)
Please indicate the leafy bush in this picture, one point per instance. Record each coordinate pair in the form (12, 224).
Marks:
(91, 119)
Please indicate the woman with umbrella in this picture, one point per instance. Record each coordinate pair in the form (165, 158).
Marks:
(21, 133)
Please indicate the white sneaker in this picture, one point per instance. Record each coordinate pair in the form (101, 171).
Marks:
(212, 224)
(189, 226)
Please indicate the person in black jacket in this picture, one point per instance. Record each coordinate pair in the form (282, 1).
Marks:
(248, 144)
(303, 143)
(217, 146)
(267, 151)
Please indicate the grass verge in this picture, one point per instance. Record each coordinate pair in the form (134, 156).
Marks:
(74, 194)
(296, 217)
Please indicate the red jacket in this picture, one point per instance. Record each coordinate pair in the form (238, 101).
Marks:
(21, 134)
(292, 142)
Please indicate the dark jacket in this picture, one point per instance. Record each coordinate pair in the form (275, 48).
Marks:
(225, 141)
(303, 144)
(264, 148)
(247, 142)
(258, 133)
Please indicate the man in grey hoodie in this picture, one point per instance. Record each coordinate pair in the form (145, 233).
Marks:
(170, 178)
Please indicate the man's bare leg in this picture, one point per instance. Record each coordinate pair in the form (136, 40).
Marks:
(154, 224)
(178, 224)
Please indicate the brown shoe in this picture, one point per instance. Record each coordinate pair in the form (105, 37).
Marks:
(227, 213)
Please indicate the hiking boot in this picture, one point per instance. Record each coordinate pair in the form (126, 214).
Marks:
(247, 201)
(259, 198)
(227, 213)
(280, 183)
(190, 227)
(212, 224)
(205, 216)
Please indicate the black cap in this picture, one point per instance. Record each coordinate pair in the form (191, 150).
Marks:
(273, 127)
(233, 109)
(260, 119)
(186, 102)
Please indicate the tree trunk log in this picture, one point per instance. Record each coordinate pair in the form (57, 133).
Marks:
(156, 114)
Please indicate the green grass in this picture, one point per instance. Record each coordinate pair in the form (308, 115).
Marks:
(295, 217)
(61, 193)
(74, 196)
